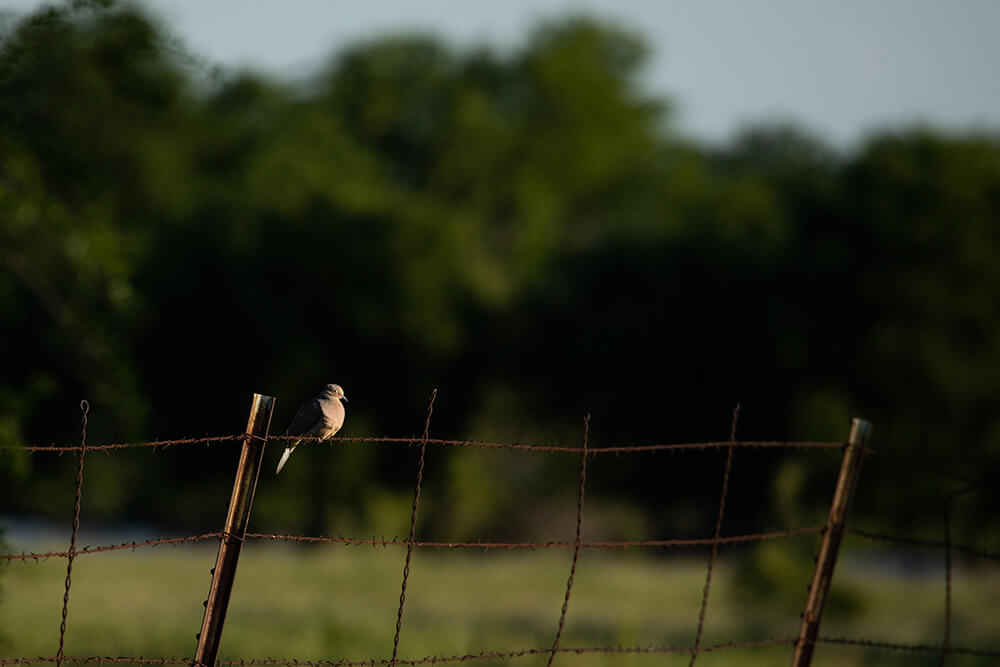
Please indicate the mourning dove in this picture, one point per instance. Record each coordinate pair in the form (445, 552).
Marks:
(318, 417)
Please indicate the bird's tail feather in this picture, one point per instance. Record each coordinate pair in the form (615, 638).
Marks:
(284, 457)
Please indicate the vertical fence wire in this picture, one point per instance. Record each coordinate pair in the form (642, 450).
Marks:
(946, 647)
(715, 539)
(85, 408)
(946, 644)
(947, 583)
(577, 542)
(413, 527)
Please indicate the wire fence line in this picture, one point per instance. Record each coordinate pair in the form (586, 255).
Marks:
(436, 545)
(521, 653)
(509, 546)
(629, 448)
(416, 442)
(717, 540)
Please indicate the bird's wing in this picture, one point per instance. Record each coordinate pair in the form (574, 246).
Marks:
(307, 420)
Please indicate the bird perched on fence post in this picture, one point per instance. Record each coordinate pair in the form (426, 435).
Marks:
(320, 417)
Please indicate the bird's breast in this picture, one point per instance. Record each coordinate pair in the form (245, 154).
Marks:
(332, 421)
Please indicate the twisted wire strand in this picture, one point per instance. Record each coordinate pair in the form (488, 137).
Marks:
(576, 542)
(526, 652)
(396, 542)
(414, 441)
(71, 554)
(413, 528)
(715, 539)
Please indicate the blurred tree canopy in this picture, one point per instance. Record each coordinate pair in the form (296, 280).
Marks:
(523, 230)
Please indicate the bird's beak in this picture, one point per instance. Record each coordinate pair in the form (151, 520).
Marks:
(343, 397)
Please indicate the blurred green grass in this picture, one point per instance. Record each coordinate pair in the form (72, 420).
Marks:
(339, 602)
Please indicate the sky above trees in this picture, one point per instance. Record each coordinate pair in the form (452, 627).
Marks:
(841, 68)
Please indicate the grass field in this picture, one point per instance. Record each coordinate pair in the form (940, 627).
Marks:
(333, 602)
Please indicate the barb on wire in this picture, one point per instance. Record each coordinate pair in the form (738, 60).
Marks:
(715, 538)
(85, 408)
(413, 527)
(577, 542)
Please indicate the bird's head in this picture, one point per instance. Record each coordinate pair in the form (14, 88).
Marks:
(335, 391)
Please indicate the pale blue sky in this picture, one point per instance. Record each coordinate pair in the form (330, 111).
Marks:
(840, 67)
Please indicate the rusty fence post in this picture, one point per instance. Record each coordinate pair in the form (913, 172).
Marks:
(236, 527)
(832, 535)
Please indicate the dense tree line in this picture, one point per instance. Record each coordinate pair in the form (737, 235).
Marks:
(523, 230)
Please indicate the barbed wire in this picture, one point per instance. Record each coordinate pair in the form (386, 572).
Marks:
(133, 545)
(515, 446)
(497, 545)
(519, 653)
(426, 544)
(413, 441)
(466, 657)
(910, 648)
(153, 444)
(631, 448)
(440, 442)
(933, 544)
(609, 544)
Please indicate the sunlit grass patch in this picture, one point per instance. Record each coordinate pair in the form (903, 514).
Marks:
(335, 602)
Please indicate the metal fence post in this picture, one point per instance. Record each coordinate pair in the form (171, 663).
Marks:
(236, 527)
(832, 535)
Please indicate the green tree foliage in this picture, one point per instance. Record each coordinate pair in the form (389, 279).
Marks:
(522, 230)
